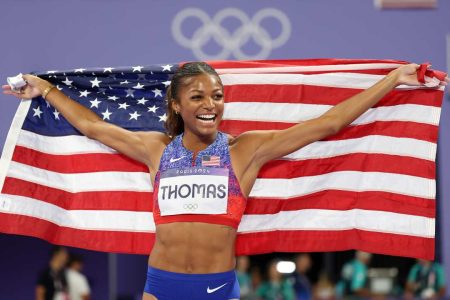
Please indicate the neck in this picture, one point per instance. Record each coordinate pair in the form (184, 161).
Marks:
(197, 143)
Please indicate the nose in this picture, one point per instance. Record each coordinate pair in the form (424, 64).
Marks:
(209, 103)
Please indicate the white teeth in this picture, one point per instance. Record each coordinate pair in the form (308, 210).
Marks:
(208, 117)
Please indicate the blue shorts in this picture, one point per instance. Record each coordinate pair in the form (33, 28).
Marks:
(166, 285)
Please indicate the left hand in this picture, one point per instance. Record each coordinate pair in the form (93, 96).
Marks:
(407, 75)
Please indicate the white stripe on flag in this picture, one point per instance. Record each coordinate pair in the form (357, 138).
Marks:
(60, 145)
(332, 220)
(293, 113)
(346, 181)
(367, 144)
(323, 68)
(11, 139)
(321, 149)
(81, 219)
(340, 80)
(83, 182)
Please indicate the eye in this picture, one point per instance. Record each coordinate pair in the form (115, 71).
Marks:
(196, 97)
(218, 97)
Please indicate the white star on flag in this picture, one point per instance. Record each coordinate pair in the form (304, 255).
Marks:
(106, 114)
(107, 70)
(138, 86)
(142, 101)
(138, 69)
(124, 82)
(152, 109)
(37, 112)
(130, 93)
(134, 115)
(157, 92)
(113, 98)
(67, 82)
(80, 70)
(84, 93)
(95, 103)
(95, 82)
(166, 83)
(56, 114)
(123, 105)
(166, 67)
(162, 118)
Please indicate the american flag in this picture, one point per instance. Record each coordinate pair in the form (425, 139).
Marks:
(370, 187)
(210, 160)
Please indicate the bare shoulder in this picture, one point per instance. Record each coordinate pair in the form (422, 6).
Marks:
(154, 143)
(154, 138)
(244, 147)
(248, 139)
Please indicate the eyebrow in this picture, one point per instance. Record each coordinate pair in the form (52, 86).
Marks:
(201, 91)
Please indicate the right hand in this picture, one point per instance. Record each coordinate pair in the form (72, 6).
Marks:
(34, 88)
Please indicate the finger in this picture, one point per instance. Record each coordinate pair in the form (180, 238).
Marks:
(10, 92)
(28, 78)
(6, 87)
(25, 76)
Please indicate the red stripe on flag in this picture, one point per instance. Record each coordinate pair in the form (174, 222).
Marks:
(251, 243)
(364, 162)
(345, 200)
(107, 241)
(309, 240)
(101, 200)
(77, 163)
(310, 94)
(419, 131)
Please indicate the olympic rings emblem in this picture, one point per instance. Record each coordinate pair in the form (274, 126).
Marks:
(231, 42)
(190, 206)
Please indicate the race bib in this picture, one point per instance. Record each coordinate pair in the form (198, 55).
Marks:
(195, 190)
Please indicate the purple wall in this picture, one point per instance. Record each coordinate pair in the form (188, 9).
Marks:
(50, 34)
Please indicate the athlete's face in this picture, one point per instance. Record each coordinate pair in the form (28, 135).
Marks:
(201, 104)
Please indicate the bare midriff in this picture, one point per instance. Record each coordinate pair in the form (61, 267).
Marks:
(194, 248)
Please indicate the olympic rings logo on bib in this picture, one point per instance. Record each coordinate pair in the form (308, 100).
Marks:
(190, 206)
(231, 42)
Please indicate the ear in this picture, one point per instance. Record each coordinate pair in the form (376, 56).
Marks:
(175, 105)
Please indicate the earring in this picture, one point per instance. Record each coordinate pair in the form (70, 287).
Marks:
(176, 112)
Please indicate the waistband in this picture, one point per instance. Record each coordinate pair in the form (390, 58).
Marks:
(186, 276)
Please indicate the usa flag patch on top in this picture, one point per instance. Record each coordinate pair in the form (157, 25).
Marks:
(210, 160)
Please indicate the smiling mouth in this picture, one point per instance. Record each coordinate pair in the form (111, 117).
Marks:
(208, 118)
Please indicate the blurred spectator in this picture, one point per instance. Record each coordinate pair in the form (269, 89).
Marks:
(77, 282)
(52, 283)
(324, 289)
(275, 288)
(256, 277)
(425, 280)
(245, 282)
(302, 285)
(354, 277)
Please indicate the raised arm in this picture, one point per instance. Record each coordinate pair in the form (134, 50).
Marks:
(255, 148)
(145, 147)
